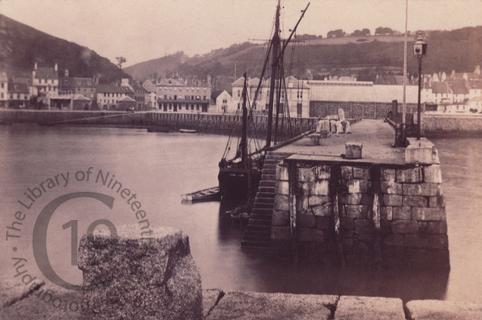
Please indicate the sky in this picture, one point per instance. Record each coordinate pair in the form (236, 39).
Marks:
(145, 29)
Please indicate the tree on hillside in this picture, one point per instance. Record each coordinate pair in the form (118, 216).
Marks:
(384, 31)
(338, 33)
(361, 33)
(307, 37)
(120, 61)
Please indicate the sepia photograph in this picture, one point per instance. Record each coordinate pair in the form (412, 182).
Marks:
(241, 159)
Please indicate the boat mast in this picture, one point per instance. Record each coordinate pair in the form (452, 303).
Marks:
(275, 44)
(244, 130)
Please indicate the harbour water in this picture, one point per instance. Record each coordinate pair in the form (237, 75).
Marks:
(159, 167)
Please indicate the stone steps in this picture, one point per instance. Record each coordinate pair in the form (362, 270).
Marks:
(257, 234)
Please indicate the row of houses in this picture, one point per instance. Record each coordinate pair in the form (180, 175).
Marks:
(310, 98)
(47, 89)
(459, 92)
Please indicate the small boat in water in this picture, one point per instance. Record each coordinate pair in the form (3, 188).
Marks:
(209, 194)
(157, 129)
(187, 130)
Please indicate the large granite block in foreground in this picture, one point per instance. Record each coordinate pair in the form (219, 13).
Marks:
(443, 310)
(373, 308)
(128, 277)
(255, 305)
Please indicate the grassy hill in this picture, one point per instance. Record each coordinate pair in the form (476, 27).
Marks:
(21, 46)
(365, 57)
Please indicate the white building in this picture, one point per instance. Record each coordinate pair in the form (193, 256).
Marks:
(223, 102)
(297, 96)
(109, 96)
(3, 89)
(360, 91)
(178, 95)
(45, 81)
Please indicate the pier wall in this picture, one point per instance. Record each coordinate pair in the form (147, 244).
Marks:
(209, 123)
(362, 214)
(354, 110)
(446, 125)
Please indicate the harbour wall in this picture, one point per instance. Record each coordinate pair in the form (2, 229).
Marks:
(209, 123)
(434, 125)
(356, 110)
(452, 125)
(362, 214)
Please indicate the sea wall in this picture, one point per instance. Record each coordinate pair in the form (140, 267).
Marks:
(362, 214)
(209, 123)
(447, 125)
(354, 110)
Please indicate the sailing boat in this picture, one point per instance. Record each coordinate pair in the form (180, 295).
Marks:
(239, 177)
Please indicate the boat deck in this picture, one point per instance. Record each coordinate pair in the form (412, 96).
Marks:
(376, 136)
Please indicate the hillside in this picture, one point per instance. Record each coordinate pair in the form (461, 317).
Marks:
(156, 67)
(21, 46)
(365, 57)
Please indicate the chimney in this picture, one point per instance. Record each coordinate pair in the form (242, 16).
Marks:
(35, 66)
(56, 67)
(66, 73)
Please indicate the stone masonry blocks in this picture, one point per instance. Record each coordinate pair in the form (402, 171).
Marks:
(411, 204)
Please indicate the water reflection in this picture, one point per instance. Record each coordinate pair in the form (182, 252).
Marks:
(161, 167)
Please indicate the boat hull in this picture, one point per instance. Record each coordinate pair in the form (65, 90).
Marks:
(237, 186)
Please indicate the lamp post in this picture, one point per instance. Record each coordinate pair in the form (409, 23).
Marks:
(419, 50)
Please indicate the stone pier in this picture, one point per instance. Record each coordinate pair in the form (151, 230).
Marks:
(387, 207)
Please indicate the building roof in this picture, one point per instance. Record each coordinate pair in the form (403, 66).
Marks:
(390, 79)
(46, 73)
(149, 86)
(459, 87)
(359, 91)
(223, 93)
(441, 87)
(254, 82)
(126, 99)
(106, 88)
(77, 82)
(170, 82)
(17, 87)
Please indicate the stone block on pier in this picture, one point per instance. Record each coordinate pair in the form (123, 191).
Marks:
(282, 306)
(392, 200)
(411, 175)
(323, 210)
(129, 277)
(391, 187)
(317, 200)
(422, 189)
(283, 187)
(428, 214)
(282, 172)
(432, 174)
(281, 202)
(443, 310)
(350, 308)
(415, 201)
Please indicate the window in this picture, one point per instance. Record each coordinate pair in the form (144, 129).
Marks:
(3, 84)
